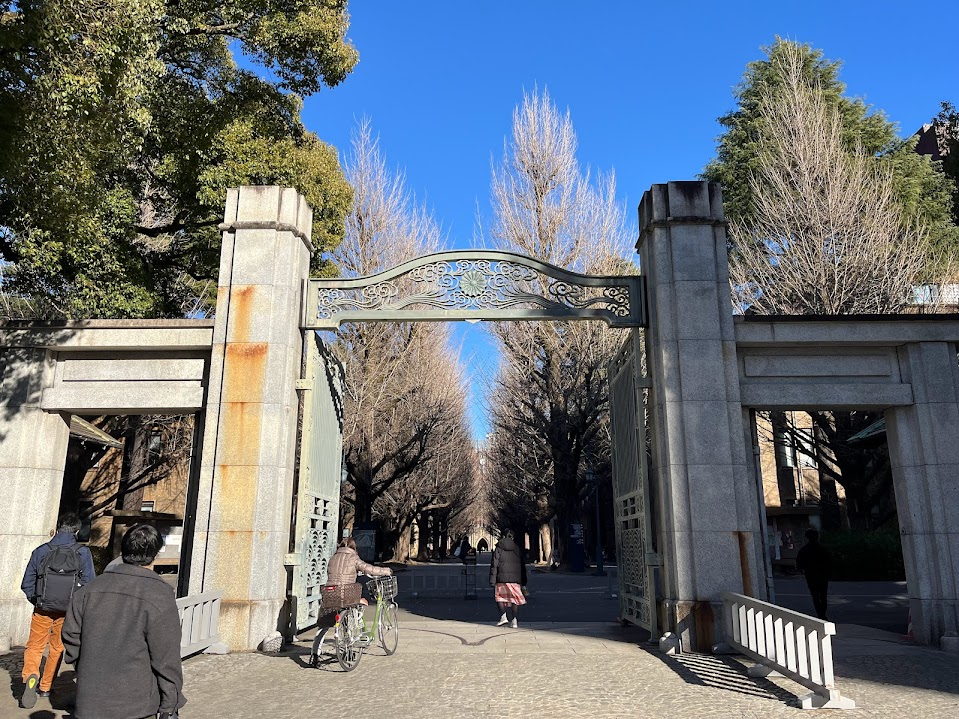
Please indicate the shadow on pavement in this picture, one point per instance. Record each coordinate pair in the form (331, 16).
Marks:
(719, 672)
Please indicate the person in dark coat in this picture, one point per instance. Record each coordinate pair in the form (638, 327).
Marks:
(122, 634)
(815, 563)
(507, 576)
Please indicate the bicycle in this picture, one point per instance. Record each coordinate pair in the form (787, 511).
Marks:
(351, 636)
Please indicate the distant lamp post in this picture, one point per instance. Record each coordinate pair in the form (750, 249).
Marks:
(594, 480)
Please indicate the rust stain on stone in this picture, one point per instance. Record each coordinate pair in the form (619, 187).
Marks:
(241, 312)
(242, 424)
(241, 413)
(232, 562)
(237, 501)
(244, 373)
(744, 568)
(235, 622)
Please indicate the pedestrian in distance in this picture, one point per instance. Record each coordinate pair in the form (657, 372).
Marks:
(464, 550)
(122, 634)
(55, 571)
(815, 563)
(507, 576)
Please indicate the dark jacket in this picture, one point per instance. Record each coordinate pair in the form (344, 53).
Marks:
(509, 564)
(122, 633)
(815, 562)
(29, 583)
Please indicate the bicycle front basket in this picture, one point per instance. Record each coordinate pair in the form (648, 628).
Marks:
(385, 587)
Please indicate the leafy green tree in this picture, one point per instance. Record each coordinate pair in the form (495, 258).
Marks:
(921, 187)
(122, 123)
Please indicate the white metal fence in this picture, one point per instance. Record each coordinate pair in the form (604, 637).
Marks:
(199, 621)
(795, 645)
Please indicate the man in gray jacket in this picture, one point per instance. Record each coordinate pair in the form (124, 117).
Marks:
(122, 633)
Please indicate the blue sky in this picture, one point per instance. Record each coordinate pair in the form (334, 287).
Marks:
(643, 82)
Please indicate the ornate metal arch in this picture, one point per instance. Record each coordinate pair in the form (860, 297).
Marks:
(475, 285)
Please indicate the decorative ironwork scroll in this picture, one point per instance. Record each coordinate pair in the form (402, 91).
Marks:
(475, 285)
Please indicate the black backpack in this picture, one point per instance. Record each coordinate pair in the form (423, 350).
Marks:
(59, 576)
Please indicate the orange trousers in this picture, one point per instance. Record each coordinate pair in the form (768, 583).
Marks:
(44, 628)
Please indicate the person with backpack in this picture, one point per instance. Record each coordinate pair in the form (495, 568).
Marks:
(55, 571)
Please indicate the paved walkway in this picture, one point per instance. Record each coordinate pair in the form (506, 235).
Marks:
(449, 669)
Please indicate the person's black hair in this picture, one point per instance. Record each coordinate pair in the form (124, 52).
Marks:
(69, 522)
(140, 545)
(812, 535)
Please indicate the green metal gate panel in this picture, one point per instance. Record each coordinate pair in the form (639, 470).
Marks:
(637, 600)
(318, 489)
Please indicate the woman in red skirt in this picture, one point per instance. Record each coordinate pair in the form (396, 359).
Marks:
(507, 576)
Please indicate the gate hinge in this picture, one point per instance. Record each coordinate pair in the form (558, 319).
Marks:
(304, 384)
(652, 559)
(293, 559)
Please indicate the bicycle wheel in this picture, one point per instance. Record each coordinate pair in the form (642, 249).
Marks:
(388, 629)
(349, 646)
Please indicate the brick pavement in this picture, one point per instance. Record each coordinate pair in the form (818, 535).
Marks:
(449, 669)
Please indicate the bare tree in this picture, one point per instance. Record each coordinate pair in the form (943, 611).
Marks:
(828, 238)
(828, 235)
(404, 395)
(552, 391)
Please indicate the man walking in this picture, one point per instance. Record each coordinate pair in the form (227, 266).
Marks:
(814, 561)
(53, 574)
(122, 633)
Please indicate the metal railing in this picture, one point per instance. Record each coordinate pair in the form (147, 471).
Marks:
(199, 621)
(795, 645)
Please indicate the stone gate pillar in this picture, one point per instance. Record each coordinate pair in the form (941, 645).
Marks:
(33, 450)
(246, 479)
(707, 500)
(924, 453)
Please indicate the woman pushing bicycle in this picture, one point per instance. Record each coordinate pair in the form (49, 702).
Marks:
(351, 635)
(346, 564)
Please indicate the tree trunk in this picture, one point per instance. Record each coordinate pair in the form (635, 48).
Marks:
(422, 537)
(129, 496)
(363, 507)
(534, 550)
(546, 542)
(444, 535)
(435, 533)
(402, 549)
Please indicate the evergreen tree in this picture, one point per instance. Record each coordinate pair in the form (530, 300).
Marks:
(947, 130)
(921, 187)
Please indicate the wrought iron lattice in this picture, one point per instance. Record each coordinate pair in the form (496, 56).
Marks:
(476, 284)
(637, 596)
(318, 491)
